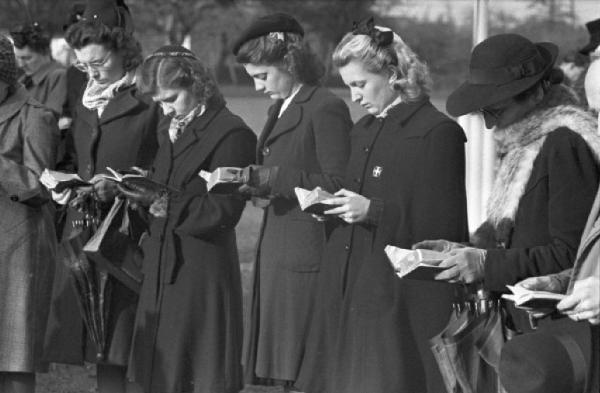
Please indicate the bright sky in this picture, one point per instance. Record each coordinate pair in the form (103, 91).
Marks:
(585, 10)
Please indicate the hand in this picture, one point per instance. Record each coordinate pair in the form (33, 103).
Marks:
(319, 217)
(438, 245)
(81, 199)
(63, 197)
(350, 206)
(584, 302)
(466, 266)
(64, 123)
(138, 195)
(105, 190)
(258, 180)
(542, 283)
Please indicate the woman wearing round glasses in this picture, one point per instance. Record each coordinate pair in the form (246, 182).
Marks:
(114, 126)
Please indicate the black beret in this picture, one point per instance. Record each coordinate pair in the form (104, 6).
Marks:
(278, 22)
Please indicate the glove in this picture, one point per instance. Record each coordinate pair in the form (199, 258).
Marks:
(258, 179)
(466, 265)
(104, 190)
(137, 194)
(438, 245)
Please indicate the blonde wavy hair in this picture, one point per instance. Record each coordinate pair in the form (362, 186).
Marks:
(413, 78)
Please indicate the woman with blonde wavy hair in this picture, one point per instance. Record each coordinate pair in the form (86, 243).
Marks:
(404, 183)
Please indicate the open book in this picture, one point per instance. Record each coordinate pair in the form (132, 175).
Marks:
(310, 200)
(415, 264)
(532, 300)
(60, 181)
(224, 180)
(135, 179)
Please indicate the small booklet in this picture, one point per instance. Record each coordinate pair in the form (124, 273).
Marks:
(310, 200)
(60, 181)
(136, 179)
(415, 264)
(224, 180)
(527, 299)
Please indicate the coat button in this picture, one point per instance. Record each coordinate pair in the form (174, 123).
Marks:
(366, 149)
(266, 151)
(14, 198)
(347, 247)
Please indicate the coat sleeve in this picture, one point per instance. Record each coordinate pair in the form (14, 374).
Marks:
(439, 203)
(572, 184)
(207, 214)
(331, 124)
(57, 91)
(40, 139)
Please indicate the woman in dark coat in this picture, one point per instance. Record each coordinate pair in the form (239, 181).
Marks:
(188, 331)
(115, 126)
(404, 183)
(305, 143)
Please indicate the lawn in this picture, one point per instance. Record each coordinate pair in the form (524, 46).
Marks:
(252, 107)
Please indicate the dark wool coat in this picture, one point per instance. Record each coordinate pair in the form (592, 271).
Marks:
(370, 332)
(124, 136)
(310, 144)
(188, 330)
(27, 241)
(48, 85)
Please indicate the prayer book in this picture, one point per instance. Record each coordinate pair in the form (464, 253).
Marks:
(310, 200)
(527, 299)
(60, 181)
(416, 264)
(136, 180)
(223, 180)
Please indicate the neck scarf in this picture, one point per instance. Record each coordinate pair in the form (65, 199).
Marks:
(96, 96)
(177, 126)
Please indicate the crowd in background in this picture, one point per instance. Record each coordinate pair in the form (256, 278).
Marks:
(327, 312)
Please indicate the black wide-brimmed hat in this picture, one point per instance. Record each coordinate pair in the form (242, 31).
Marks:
(555, 361)
(594, 30)
(278, 22)
(501, 67)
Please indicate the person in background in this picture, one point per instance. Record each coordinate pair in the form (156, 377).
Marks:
(114, 126)
(27, 245)
(593, 28)
(405, 182)
(190, 339)
(44, 78)
(305, 143)
(574, 66)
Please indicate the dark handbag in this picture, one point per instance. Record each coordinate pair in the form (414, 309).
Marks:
(113, 250)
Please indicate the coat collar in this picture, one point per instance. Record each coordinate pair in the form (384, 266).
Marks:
(195, 129)
(124, 102)
(399, 116)
(13, 104)
(41, 74)
(292, 115)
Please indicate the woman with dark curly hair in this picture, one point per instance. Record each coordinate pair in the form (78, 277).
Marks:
(188, 329)
(305, 143)
(114, 126)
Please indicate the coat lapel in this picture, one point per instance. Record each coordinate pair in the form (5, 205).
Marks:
(194, 130)
(120, 105)
(271, 120)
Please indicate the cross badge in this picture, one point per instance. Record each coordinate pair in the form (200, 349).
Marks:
(377, 170)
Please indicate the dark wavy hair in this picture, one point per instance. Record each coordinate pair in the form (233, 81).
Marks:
(85, 32)
(179, 73)
(293, 53)
(32, 36)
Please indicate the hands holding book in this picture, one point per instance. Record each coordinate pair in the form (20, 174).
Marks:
(348, 206)
(464, 264)
(258, 179)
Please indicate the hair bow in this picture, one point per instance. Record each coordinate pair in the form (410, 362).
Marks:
(367, 27)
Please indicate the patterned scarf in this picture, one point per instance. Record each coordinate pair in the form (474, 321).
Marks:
(178, 125)
(96, 96)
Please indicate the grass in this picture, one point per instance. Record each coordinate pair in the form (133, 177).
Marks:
(252, 107)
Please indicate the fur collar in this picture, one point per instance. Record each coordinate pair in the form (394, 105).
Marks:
(518, 145)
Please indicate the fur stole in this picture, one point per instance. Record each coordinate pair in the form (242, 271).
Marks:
(518, 145)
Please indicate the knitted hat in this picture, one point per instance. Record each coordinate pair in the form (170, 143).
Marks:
(273, 23)
(8, 64)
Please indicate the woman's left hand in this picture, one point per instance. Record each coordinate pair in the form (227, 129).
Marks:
(584, 302)
(105, 190)
(465, 265)
(350, 206)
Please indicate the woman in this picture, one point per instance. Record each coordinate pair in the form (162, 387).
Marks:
(404, 182)
(188, 331)
(115, 126)
(29, 140)
(304, 143)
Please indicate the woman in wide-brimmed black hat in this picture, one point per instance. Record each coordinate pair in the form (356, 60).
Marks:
(548, 170)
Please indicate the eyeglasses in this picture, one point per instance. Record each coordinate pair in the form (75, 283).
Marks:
(93, 66)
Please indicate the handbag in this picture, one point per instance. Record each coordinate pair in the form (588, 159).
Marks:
(113, 250)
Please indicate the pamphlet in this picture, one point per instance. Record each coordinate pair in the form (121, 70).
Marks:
(416, 264)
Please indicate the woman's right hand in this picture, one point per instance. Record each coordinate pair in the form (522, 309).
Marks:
(439, 245)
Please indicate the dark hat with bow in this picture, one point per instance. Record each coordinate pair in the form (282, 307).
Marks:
(556, 360)
(501, 67)
(594, 30)
(8, 63)
(273, 23)
(367, 27)
(112, 13)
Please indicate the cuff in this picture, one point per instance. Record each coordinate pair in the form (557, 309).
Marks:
(375, 211)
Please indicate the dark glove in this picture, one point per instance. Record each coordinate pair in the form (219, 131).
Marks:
(258, 179)
(137, 194)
